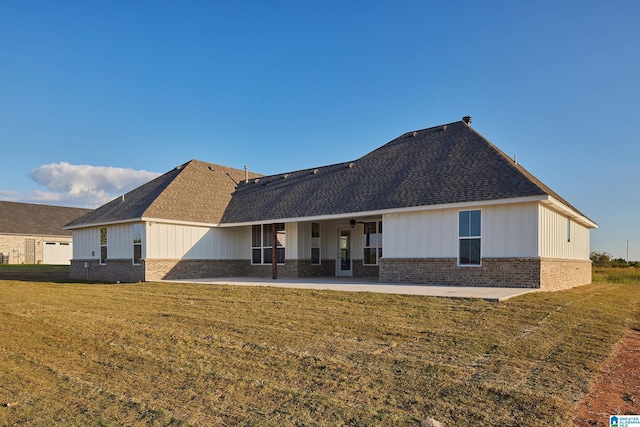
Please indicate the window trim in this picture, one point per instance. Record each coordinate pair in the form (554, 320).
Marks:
(139, 243)
(262, 242)
(104, 244)
(377, 246)
(319, 244)
(470, 237)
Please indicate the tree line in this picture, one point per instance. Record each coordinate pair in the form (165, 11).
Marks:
(604, 259)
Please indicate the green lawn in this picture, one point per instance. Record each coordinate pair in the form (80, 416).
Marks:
(169, 354)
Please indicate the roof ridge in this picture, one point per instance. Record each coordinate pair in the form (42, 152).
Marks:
(42, 204)
(180, 169)
(416, 133)
(411, 132)
(214, 164)
(348, 162)
(308, 170)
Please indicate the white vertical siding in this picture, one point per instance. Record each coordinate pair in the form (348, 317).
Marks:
(304, 242)
(507, 231)
(173, 241)
(357, 242)
(329, 236)
(510, 230)
(86, 243)
(292, 244)
(423, 234)
(553, 236)
(232, 243)
(119, 242)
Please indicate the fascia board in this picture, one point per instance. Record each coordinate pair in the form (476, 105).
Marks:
(141, 219)
(576, 216)
(178, 222)
(102, 224)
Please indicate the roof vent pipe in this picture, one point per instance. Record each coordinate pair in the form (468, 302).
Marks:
(467, 119)
(246, 174)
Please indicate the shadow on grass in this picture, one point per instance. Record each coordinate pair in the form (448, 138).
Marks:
(38, 273)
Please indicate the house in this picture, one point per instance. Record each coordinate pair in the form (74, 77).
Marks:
(453, 209)
(33, 234)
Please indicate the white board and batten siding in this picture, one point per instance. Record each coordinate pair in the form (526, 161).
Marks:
(119, 242)
(507, 231)
(422, 234)
(86, 243)
(510, 231)
(173, 241)
(560, 240)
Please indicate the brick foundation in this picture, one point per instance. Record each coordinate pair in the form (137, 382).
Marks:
(539, 273)
(559, 274)
(115, 270)
(306, 269)
(361, 270)
(158, 269)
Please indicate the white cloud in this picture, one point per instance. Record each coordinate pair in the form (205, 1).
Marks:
(85, 185)
(9, 195)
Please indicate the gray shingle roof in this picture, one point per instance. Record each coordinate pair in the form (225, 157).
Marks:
(195, 191)
(435, 166)
(36, 220)
(440, 165)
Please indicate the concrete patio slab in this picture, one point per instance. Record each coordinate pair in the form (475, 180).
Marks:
(368, 285)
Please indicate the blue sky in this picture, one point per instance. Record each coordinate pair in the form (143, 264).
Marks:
(97, 97)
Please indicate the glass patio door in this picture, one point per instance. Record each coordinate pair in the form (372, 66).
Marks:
(344, 252)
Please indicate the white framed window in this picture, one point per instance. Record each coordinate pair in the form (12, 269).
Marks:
(103, 245)
(137, 243)
(372, 243)
(315, 243)
(469, 238)
(261, 239)
(568, 230)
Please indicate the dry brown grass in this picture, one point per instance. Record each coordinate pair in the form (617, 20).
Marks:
(167, 354)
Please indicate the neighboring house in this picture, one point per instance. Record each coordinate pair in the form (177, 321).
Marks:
(33, 234)
(453, 210)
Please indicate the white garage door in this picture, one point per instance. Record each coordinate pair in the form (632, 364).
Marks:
(57, 253)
